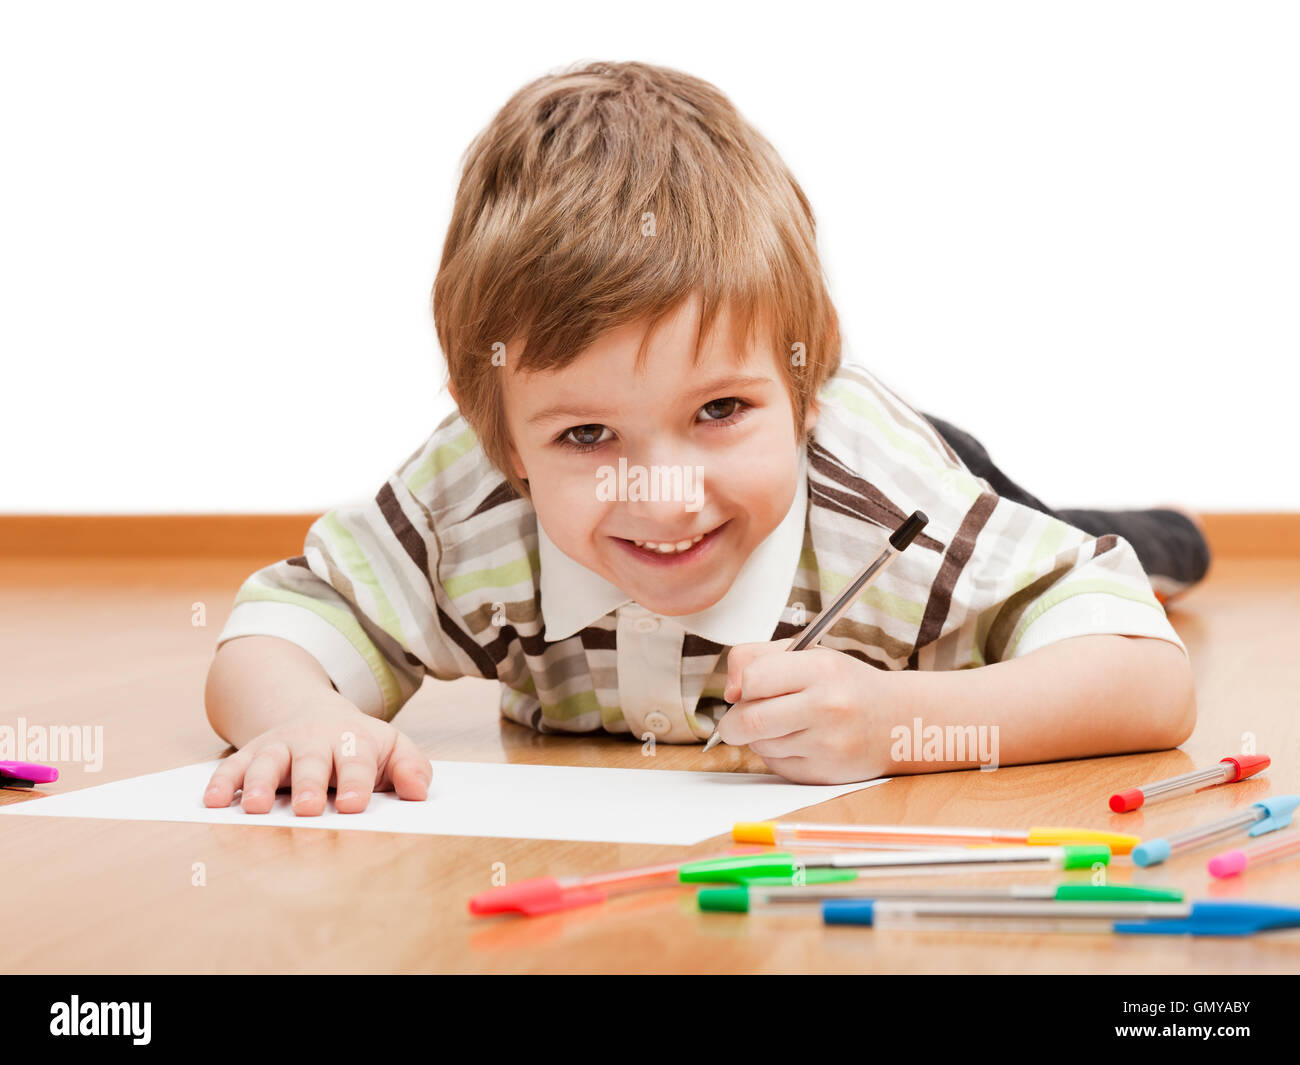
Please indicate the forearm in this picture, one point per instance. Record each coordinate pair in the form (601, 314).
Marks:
(1078, 698)
(257, 682)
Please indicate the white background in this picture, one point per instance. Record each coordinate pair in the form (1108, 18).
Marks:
(1070, 228)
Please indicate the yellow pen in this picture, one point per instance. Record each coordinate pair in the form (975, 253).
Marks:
(787, 833)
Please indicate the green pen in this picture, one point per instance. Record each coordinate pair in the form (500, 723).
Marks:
(764, 895)
(857, 864)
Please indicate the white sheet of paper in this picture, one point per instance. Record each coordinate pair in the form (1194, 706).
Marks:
(483, 799)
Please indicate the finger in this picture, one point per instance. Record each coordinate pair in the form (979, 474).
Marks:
(741, 656)
(794, 770)
(309, 776)
(793, 745)
(765, 719)
(266, 772)
(771, 675)
(408, 771)
(356, 777)
(227, 778)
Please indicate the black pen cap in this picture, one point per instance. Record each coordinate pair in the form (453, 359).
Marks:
(907, 531)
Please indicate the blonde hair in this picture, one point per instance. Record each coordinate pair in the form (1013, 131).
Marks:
(608, 194)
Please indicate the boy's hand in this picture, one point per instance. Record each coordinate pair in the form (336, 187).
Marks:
(330, 740)
(815, 716)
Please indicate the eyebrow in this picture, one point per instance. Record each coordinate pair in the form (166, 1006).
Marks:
(720, 387)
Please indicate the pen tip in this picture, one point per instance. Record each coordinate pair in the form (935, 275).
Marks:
(713, 742)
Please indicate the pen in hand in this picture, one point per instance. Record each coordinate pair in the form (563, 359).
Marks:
(821, 624)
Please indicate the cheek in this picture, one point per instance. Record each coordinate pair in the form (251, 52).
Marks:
(760, 475)
(566, 503)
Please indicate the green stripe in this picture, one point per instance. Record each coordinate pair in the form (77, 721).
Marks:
(345, 548)
(1051, 539)
(508, 574)
(854, 402)
(896, 606)
(1063, 592)
(1048, 544)
(574, 706)
(346, 623)
(440, 459)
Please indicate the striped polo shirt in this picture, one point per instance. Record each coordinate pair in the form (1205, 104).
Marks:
(441, 574)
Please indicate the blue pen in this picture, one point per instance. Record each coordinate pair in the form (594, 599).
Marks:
(1263, 816)
(1216, 917)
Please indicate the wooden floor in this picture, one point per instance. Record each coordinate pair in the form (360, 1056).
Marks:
(112, 643)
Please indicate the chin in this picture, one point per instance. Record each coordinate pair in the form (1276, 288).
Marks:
(675, 607)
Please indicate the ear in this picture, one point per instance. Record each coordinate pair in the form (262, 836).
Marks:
(810, 419)
(516, 463)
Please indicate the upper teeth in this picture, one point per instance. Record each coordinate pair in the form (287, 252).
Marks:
(669, 549)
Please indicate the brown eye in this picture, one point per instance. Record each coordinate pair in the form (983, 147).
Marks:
(584, 435)
(718, 409)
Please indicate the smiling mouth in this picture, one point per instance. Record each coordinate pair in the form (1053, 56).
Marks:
(671, 549)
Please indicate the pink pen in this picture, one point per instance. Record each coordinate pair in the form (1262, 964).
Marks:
(37, 774)
(1227, 771)
(1230, 863)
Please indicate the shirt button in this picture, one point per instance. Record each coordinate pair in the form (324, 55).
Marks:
(647, 624)
(657, 723)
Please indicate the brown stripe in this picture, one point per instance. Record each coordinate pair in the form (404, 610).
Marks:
(785, 631)
(534, 645)
(863, 499)
(414, 546)
(822, 500)
(954, 561)
(597, 639)
(1104, 544)
(502, 493)
(698, 647)
(999, 635)
(862, 656)
(411, 541)
(481, 659)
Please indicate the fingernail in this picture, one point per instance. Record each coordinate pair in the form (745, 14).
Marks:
(348, 795)
(304, 796)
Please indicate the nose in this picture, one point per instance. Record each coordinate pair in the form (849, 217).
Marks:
(664, 497)
(662, 519)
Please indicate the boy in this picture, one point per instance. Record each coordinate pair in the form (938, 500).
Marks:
(658, 473)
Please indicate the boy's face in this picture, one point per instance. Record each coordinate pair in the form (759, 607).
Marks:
(726, 423)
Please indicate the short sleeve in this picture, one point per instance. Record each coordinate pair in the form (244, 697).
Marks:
(362, 598)
(1033, 580)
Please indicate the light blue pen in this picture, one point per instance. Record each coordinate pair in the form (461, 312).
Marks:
(1263, 816)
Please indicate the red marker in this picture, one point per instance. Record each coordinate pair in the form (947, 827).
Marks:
(1226, 771)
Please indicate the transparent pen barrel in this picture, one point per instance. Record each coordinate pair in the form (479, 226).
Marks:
(1194, 837)
(1201, 778)
(1275, 845)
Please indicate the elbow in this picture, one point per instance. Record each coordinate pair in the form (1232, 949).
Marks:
(212, 698)
(1181, 721)
(1164, 680)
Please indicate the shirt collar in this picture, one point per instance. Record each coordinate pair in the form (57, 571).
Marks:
(574, 597)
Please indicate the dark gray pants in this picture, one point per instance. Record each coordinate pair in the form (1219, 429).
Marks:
(1166, 542)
